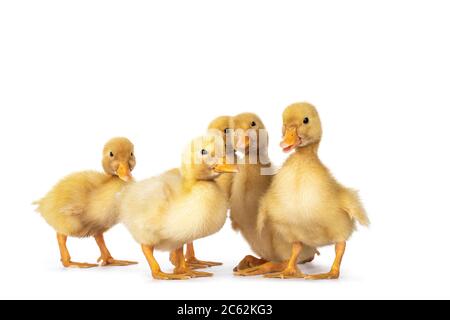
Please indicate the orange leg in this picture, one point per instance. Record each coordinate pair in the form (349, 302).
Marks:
(249, 262)
(65, 256)
(193, 262)
(181, 266)
(335, 269)
(105, 258)
(291, 271)
(156, 270)
(173, 257)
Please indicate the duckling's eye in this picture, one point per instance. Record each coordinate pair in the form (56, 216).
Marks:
(204, 152)
(306, 120)
(111, 154)
(132, 154)
(253, 124)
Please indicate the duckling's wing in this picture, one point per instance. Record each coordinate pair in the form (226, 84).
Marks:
(263, 214)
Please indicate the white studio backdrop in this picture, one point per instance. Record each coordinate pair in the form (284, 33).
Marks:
(74, 74)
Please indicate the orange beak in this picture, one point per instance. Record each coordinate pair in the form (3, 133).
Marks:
(226, 168)
(124, 173)
(291, 140)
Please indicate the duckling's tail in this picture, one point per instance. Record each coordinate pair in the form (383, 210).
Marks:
(353, 207)
(37, 203)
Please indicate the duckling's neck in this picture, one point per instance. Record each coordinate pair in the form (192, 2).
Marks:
(261, 157)
(310, 152)
(190, 182)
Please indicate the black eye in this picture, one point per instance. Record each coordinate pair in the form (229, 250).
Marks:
(132, 154)
(111, 154)
(306, 120)
(253, 124)
(226, 130)
(204, 152)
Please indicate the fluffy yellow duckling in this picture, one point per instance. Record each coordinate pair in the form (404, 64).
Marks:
(249, 185)
(220, 126)
(84, 204)
(179, 206)
(305, 204)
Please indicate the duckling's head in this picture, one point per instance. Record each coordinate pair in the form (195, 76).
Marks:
(222, 127)
(118, 158)
(222, 124)
(301, 126)
(247, 127)
(204, 159)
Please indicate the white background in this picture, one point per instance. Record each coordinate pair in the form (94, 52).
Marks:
(74, 74)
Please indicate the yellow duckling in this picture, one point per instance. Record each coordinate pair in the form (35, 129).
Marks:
(223, 126)
(179, 206)
(249, 185)
(305, 204)
(84, 204)
(220, 126)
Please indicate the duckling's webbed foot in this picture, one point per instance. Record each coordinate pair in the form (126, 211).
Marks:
(182, 267)
(323, 276)
(65, 256)
(191, 273)
(106, 259)
(111, 262)
(79, 265)
(156, 270)
(335, 269)
(268, 267)
(194, 263)
(290, 269)
(169, 276)
(249, 262)
(288, 273)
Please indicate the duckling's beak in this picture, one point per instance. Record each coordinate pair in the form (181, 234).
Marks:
(226, 168)
(243, 142)
(124, 173)
(291, 140)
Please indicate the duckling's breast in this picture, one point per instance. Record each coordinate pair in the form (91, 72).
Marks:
(307, 209)
(198, 214)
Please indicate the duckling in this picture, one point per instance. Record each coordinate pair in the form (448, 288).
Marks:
(221, 126)
(84, 204)
(249, 185)
(178, 207)
(305, 204)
